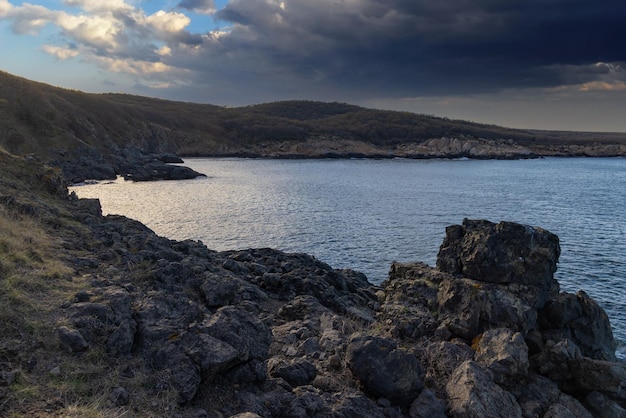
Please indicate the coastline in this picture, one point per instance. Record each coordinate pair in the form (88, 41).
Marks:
(163, 327)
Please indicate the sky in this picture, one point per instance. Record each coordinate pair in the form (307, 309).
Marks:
(542, 64)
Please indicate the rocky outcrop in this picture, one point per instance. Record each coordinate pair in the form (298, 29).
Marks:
(460, 147)
(337, 147)
(264, 333)
(131, 163)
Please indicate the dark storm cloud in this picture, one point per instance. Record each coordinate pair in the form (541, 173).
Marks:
(408, 47)
(197, 5)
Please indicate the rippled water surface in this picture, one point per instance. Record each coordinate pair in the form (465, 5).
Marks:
(364, 214)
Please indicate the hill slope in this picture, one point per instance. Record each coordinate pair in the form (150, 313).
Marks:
(60, 125)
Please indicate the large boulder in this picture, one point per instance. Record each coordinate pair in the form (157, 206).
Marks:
(385, 370)
(503, 253)
(504, 353)
(472, 393)
(580, 319)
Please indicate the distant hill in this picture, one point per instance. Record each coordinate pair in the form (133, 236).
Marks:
(60, 124)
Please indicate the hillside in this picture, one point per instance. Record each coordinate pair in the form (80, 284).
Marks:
(61, 125)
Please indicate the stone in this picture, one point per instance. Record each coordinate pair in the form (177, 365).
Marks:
(603, 406)
(119, 396)
(72, 340)
(427, 405)
(502, 253)
(241, 330)
(384, 370)
(296, 373)
(580, 319)
(472, 393)
(504, 353)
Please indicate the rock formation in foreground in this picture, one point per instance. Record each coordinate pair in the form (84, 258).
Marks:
(264, 333)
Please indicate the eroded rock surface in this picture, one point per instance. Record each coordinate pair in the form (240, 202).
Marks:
(263, 333)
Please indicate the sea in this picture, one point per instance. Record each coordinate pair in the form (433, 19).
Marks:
(364, 214)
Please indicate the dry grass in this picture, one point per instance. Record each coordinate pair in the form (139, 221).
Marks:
(37, 378)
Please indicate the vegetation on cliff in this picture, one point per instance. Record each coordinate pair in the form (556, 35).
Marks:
(59, 125)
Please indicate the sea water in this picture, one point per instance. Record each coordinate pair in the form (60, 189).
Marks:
(365, 214)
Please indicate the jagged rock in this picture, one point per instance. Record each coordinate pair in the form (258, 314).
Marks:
(538, 394)
(582, 320)
(472, 393)
(178, 370)
(384, 370)
(211, 355)
(504, 353)
(470, 307)
(427, 405)
(296, 373)
(242, 330)
(443, 358)
(503, 253)
(352, 405)
(286, 335)
(603, 406)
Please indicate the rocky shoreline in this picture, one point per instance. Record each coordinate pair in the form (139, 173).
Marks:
(118, 321)
(140, 165)
(263, 333)
(131, 163)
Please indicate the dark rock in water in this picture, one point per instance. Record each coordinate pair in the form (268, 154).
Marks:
(131, 163)
(503, 253)
(157, 170)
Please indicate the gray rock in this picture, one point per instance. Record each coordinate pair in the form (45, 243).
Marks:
(470, 307)
(177, 370)
(504, 353)
(427, 405)
(72, 340)
(119, 396)
(211, 355)
(384, 370)
(502, 253)
(472, 393)
(603, 406)
(582, 320)
(296, 373)
(355, 405)
(241, 330)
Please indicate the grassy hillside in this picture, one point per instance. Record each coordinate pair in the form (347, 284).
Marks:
(54, 123)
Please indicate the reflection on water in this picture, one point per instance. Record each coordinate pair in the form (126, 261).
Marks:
(364, 214)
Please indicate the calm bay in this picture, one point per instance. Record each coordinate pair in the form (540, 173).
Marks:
(364, 214)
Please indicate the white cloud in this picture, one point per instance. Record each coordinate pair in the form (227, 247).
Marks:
(94, 31)
(133, 67)
(167, 22)
(99, 6)
(60, 52)
(5, 8)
